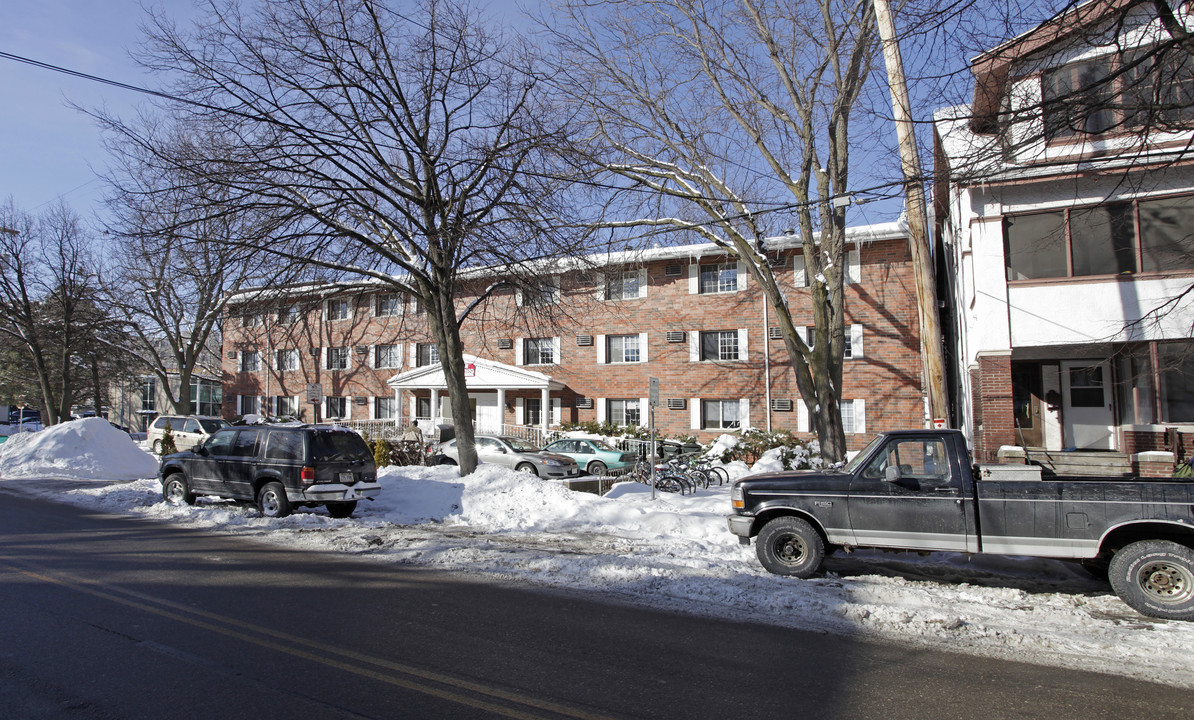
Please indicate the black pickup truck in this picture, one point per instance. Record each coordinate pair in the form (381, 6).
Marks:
(918, 490)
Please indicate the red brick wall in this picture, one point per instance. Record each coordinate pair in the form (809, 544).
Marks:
(994, 398)
(887, 376)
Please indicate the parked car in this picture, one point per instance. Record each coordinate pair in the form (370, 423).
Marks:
(22, 416)
(513, 453)
(188, 430)
(596, 456)
(277, 467)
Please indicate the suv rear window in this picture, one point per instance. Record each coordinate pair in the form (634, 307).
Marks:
(331, 445)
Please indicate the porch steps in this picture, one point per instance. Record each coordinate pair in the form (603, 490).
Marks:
(1082, 463)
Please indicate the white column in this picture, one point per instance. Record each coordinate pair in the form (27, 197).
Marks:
(545, 415)
(435, 418)
(501, 409)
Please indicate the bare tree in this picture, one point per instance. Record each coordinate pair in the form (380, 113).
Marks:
(709, 115)
(49, 292)
(397, 141)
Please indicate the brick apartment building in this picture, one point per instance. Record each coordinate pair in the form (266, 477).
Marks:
(689, 316)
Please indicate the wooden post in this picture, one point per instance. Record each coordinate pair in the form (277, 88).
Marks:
(932, 355)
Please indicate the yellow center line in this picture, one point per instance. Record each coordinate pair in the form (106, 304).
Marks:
(182, 613)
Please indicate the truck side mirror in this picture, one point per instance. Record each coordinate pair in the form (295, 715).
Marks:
(892, 474)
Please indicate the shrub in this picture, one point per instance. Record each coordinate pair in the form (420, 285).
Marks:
(383, 452)
(795, 454)
(168, 446)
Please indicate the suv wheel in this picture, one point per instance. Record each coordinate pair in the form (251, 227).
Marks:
(341, 509)
(272, 501)
(176, 492)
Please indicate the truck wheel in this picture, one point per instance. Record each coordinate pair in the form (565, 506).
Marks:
(272, 501)
(790, 546)
(176, 492)
(1156, 578)
(341, 509)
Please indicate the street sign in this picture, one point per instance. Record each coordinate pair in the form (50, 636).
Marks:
(654, 392)
(314, 392)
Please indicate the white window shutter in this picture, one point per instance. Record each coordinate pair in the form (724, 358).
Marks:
(694, 346)
(348, 353)
(644, 411)
(519, 351)
(372, 407)
(348, 408)
(859, 416)
(741, 275)
(323, 358)
(642, 347)
(240, 404)
(742, 350)
(601, 287)
(556, 346)
(413, 405)
(601, 349)
(856, 341)
(519, 410)
(600, 410)
(557, 411)
(518, 296)
(799, 270)
(372, 360)
(694, 278)
(853, 267)
(694, 413)
(744, 414)
(642, 282)
(801, 416)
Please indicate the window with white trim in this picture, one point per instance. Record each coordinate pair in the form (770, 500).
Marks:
(149, 393)
(532, 409)
(718, 278)
(387, 356)
(719, 345)
(336, 407)
(624, 412)
(288, 315)
(847, 408)
(250, 361)
(250, 404)
(287, 360)
(385, 408)
(387, 304)
(285, 405)
(426, 354)
(338, 309)
(623, 349)
(546, 293)
(251, 320)
(720, 414)
(622, 285)
(539, 351)
(337, 358)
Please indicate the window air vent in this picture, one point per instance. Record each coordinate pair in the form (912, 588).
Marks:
(362, 349)
(584, 341)
(231, 354)
(584, 403)
(676, 336)
(314, 352)
(505, 343)
(779, 405)
(360, 401)
(677, 403)
(775, 333)
(673, 270)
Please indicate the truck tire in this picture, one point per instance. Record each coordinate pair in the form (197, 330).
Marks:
(790, 546)
(176, 491)
(1155, 578)
(272, 500)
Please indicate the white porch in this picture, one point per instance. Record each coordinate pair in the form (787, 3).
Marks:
(489, 383)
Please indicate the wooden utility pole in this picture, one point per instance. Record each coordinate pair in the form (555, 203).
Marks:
(932, 355)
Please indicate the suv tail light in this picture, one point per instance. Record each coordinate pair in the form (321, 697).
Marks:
(307, 475)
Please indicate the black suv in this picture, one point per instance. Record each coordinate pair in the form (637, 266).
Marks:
(278, 467)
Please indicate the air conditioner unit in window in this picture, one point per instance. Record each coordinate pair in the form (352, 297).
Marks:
(360, 401)
(584, 340)
(779, 405)
(775, 333)
(231, 354)
(675, 336)
(362, 349)
(584, 403)
(677, 403)
(505, 343)
(314, 352)
(673, 270)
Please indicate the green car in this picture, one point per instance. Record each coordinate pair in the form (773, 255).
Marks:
(595, 456)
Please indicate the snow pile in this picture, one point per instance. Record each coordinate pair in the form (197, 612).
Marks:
(87, 449)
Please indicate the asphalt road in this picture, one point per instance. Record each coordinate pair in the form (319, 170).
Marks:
(113, 617)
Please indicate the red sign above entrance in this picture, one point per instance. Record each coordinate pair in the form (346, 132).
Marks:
(470, 370)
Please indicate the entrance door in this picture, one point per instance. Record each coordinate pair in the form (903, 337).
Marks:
(1087, 416)
(1027, 403)
(486, 413)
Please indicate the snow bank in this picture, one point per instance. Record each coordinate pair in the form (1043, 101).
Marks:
(87, 449)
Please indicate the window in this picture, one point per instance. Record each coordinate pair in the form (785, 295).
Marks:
(423, 407)
(720, 414)
(851, 332)
(920, 459)
(338, 309)
(245, 444)
(539, 351)
(1103, 239)
(539, 295)
(533, 412)
(288, 315)
(220, 443)
(847, 408)
(336, 407)
(622, 285)
(250, 361)
(385, 408)
(387, 356)
(285, 405)
(149, 394)
(624, 412)
(1166, 239)
(719, 345)
(387, 304)
(426, 354)
(250, 320)
(337, 358)
(1035, 246)
(1158, 87)
(207, 397)
(1176, 375)
(623, 349)
(719, 278)
(287, 360)
(249, 404)
(284, 446)
(1078, 99)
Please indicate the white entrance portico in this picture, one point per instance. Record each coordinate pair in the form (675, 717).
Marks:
(488, 382)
